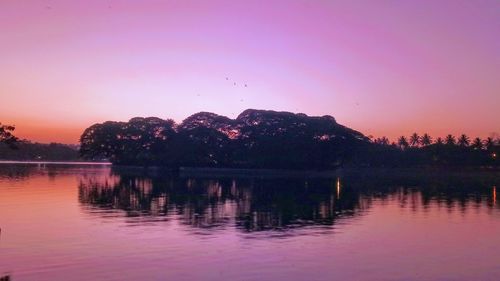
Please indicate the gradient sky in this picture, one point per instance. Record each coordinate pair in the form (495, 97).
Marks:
(380, 67)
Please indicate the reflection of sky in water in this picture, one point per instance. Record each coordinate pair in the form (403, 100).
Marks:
(92, 223)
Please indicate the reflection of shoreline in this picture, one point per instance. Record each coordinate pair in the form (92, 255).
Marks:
(259, 203)
(250, 205)
(253, 204)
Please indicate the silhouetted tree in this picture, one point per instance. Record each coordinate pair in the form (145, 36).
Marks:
(284, 139)
(426, 140)
(403, 142)
(477, 143)
(439, 141)
(463, 140)
(267, 139)
(256, 138)
(139, 141)
(489, 143)
(382, 141)
(414, 140)
(450, 140)
(6, 135)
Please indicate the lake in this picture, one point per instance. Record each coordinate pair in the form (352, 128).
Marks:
(94, 222)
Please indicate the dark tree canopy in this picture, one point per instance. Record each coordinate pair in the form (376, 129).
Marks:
(139, 141)
(271, 139)
(6, 135)
(256, 138)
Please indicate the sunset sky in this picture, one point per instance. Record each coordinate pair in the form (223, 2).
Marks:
(380, 67)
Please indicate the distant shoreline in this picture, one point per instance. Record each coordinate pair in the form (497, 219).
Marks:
(55, 162)
(228, 171)
(189, 169)
(209, 172)
(416, 175)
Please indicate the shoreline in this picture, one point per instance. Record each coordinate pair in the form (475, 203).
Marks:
(54, 162)
(210, 172)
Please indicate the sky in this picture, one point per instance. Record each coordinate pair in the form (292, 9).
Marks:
(385, 68)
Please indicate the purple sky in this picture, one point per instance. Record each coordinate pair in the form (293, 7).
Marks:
(381, 67)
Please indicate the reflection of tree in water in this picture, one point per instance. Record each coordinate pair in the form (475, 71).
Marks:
(271, 204)
(249, 204)
(421, 189)
(282, 204)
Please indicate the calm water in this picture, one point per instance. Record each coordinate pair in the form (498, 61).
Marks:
(66, 222)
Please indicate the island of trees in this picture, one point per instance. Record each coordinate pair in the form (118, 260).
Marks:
(255, 139)
(271, 139)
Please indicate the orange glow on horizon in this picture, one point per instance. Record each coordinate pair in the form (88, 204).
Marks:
(48, 134)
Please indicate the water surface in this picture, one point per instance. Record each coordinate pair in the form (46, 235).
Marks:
(91, 222)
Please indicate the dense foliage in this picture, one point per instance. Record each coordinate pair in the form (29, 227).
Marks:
(256, 138)
(270, 139)
(6, 135)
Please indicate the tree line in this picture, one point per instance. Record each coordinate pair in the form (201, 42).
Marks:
(31, 151)
(415, 140)
(270, 139)
(424, 150)
(13, 148)
(255, 139)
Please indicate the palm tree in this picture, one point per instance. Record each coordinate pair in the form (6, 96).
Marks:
(414, 139)
(439, 141)
(450, 140)
(489, 143)
(463, 140)
(425, 140)
(403, 142)
(477, 144)
(382, 141)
